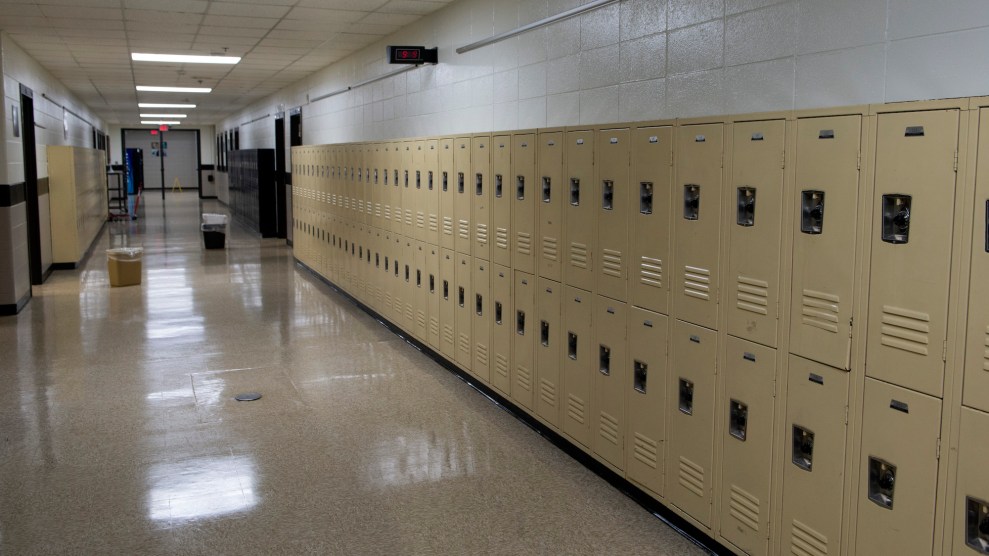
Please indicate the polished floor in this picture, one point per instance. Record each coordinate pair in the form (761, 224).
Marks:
(119, 433)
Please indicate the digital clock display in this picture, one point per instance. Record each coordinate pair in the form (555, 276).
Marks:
(411, 55)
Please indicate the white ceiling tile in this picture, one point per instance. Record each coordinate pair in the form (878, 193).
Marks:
(221, 31)
(332, 16)
(81, 12)
(381, 18)
(412, 7)
(255, 10)
(163, 18)
(90, 24)
(239, 22)
(182, 6)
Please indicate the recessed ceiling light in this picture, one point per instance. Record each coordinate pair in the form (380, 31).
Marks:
(159, 122)
(152, 89)
(160, 105)
(164, 116)
(184, 58)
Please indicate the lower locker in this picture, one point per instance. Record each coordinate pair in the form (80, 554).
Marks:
(432, 286)
(523, 341)
(747, 457)
(464, 310)
(970, 532)
(898, 477)
(578, 307)
(448, 304)
(386, 276)
(549, 349)
(409, 286)
(814, 458)
(691, 452)
(481, 329)
(645, 398)
(399, 261)
(502, 326)
(610, 326)
(420, 282)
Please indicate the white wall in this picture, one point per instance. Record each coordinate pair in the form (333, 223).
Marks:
(643, 59)
(207, 143)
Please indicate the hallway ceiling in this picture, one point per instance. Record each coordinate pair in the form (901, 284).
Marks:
(86, 44)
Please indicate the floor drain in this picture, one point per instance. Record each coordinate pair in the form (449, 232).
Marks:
(248, 397)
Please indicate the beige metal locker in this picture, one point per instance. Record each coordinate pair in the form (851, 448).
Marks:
(525, 187)
(549, 349)
(747, 455)
(645, 398)
(976, 381)
(501, 191)
(430, 191)
(420, 283)
(755, 226)
(689, 483)
(502, 320)
(581, 213)
(448, 304)
(911, 248)
(482, 308)
(578, 308)
(464, 300)
(432, 286)
(814, 458)
(610, 326)
(393, 188)
(462, 183)
(418, 188)
(408, 276)
(526, 329)
(447, 187)
(824, 238)
(387, 279)
(697, 214)
(970, 531)
(613, 206)
(898, 476)
(407, 177)
(480, 185)
(550, 195)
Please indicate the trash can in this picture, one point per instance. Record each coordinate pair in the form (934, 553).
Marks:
(214, 230)
(124, 266)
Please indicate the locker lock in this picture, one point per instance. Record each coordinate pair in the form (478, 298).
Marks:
(977, 524)
(738, 419)
(803, 448)
(498, 186)
(605, 359)
(547, 188)
(608, 195)
(640, 375)
(811, 211)
(896, 218)
(691, 201)
(882, 480)
(746, 206)
(520, 188)
(645, 197)
(575, 192)
(686, 397)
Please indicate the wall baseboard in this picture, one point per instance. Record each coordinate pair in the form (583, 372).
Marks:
(14, 308)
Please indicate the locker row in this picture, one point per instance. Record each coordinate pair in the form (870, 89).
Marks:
(679, 300)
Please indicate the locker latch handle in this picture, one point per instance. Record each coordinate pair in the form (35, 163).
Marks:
(520, 323)
(497, 312)
(640, 375)
(418, 278)
(478, 184)
(977, 524)
(803, 448)
(375, 176)
(605, 359)
(406, 179)
(896, 218)
(645, 197)
(396, 177)
(746, 206)
(811, 211)
(575, 192)
(882, 481)
(432, 284)
(479, 304)
(544, 333)
(547, 188)
(386, 176)
(429, 180)
(460, 296)
(520, 188)
(446, 289)
(498, 181)
(691, 201)
(572, 345)
(407, 273)
(608, 195)
(738, 420)
(446, 181)
(686, 397)
(460, 182)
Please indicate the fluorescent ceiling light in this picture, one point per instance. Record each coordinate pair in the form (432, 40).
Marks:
(149, 88)
(159, 122)
(164, 116)
(184, 58)
(160, 105)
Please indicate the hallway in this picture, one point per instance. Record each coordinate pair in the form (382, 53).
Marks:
(119, 433)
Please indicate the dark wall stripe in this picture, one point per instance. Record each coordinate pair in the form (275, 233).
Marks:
(11, 195)
(206, 167)
(42, 186)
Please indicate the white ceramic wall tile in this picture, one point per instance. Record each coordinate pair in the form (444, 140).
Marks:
(642, 100)
(598, 106)
(599, 67)
(563, 75)
(505, 116)
(688, 12)
(696, 94)
(733, 7)
(532, 113)
(600, 27)
(643, 58)
(938, 66)
(639, 18)
(838, 24)
(841, 77)
(532, 81)
(696, 48)
(563, 38)
(531, 47)
(912, 18)
(764, 34)
(506, 86)
(563, 109)
(760, 87)
(532, 10)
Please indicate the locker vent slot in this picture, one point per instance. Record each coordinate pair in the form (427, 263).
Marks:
(501, 365)
(746, 207)
(575, 192)
(523, 378)
(482, 234)
(820, 310)
(744, 507)
(478, 184)
(896, 218)
(905, 329)
(464, 345)
(645, 450)
(460, 182)
(805, 541)
(433, 224)
(498, 186)
(640, 376)
(523, 243)
(605, 360)
(420, 220)
(803, 448)
(697, 282)
(651, 272)
(691, 201)
(547, 189)
(882, 481)
(738, 419)
(463, 229)
(977, 524)
(576, 409)
(572, 345)
(608, 428)
(686, 397)
(914, 131)
(578, 255)
(501, 238)
(645, 198)
(550, 248)
(985, 353)
(752, 295)
(608, 195)
(520, 323)
(481, 355)
(611, 263)
(498, 312)
(447, 226)
(520, 188)
(691, 477)
(547, 392)
(448, 335)
(446, 181)
(544, 333)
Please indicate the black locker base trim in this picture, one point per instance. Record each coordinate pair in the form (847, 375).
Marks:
(650, 504)
(14, 308)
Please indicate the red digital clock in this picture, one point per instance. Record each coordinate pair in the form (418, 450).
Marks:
(411, 55)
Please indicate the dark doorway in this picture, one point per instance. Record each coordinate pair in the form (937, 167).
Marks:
(295, 140)
(280, 190)
(31, 186)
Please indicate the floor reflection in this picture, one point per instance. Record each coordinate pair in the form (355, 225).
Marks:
(203, 487)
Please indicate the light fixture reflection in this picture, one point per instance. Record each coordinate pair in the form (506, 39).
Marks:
(201, 487)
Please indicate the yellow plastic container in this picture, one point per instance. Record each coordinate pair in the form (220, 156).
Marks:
(124, 266)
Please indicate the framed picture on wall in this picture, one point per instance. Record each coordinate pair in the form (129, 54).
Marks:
(154, 144)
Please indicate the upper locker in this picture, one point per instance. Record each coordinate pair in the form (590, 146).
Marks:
(418, 187)
(375, 186)
(409, 196)
(911, 247)
(502, 193)
(824, 238)
(447, 230)
(524, 204)
(613, 207)
(462, 196)
(581, 211)
(383, 178)
(480, 194)
(755, 225)
(430, 191)
(368, 165)
(650, 210)
(697, 209)
(549, 193)
(976, 381)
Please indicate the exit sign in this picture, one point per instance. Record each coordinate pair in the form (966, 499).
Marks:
(412, 55)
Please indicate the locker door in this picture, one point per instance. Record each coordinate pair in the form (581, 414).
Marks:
(407, 176)
(447, 186)
(502, 189)
(549, 349)
(911, 248)
(463, 196)
(523, 341)
(464, 310)
(430, 192)
(697, 214)
(650, 212)
(524, 205)
(448, 304)
(374, 183)
(432, 287)
(608, 401)
(387, 291)
(502, 319)
(646, 398)
(613, 148)
(375, 278)
(549, 191)
(578, 307)
(755, 225)
(689, 482)
(580, 218)
(409, 289)
(402, 258)
(418, 188)
(420, 281)
(824, 241)
(814, 458)
(747, 457)
(976, 393)
(384, 178)
(479, 183)
(898, 482)
(481, 307)
(970, 533)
